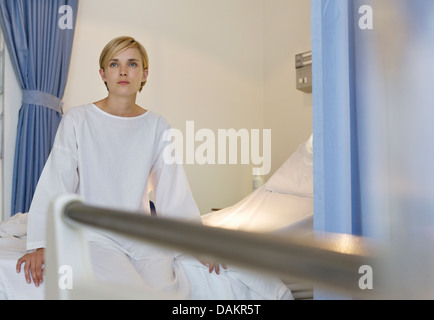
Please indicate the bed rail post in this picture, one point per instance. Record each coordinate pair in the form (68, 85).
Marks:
(69, 274)
(67, 256)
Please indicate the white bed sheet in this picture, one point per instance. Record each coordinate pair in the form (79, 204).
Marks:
(13, 286)
(231, 284)
(270, 212)
(265, 211)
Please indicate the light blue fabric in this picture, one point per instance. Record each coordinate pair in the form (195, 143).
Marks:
(40, 98)
(373, 133)
(360, 79)
(335, 132)
(40, 51)
(349, 121)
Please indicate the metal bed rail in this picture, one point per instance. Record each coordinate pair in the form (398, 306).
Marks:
(331, 262)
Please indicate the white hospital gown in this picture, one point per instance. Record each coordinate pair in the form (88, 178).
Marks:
(108, 161)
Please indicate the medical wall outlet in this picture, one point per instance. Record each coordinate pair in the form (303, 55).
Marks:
(303, 65)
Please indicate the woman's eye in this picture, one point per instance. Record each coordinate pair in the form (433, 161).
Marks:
(113, 65)
(133, 64)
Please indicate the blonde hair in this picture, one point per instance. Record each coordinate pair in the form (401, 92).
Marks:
(119, 45)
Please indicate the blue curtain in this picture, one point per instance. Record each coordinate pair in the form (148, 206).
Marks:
(373, 128)
(39, 36)
(349, 130)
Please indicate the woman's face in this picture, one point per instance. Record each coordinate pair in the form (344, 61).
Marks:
(124, 73)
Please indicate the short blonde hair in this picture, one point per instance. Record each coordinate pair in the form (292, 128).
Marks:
(119, 45)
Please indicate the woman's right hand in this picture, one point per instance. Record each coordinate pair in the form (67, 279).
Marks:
(33, 266)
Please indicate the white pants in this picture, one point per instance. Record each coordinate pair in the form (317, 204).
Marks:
(155, 271)
(183, 277)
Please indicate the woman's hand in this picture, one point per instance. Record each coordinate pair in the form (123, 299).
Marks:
(212, 265)
(33, 266)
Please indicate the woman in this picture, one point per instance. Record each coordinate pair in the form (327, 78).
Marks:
(108, 152)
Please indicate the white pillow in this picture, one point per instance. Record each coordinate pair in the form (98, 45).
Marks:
(15, 226)
(295, 176)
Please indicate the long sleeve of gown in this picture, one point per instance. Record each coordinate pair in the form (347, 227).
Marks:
(59, 176)
(172, 194)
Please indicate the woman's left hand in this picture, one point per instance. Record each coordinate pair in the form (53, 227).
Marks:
(212, 265)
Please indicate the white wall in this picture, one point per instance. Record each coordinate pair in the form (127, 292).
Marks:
(223, 64)
(287, 111)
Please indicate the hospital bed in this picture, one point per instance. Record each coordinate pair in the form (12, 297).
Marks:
(284, 205)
